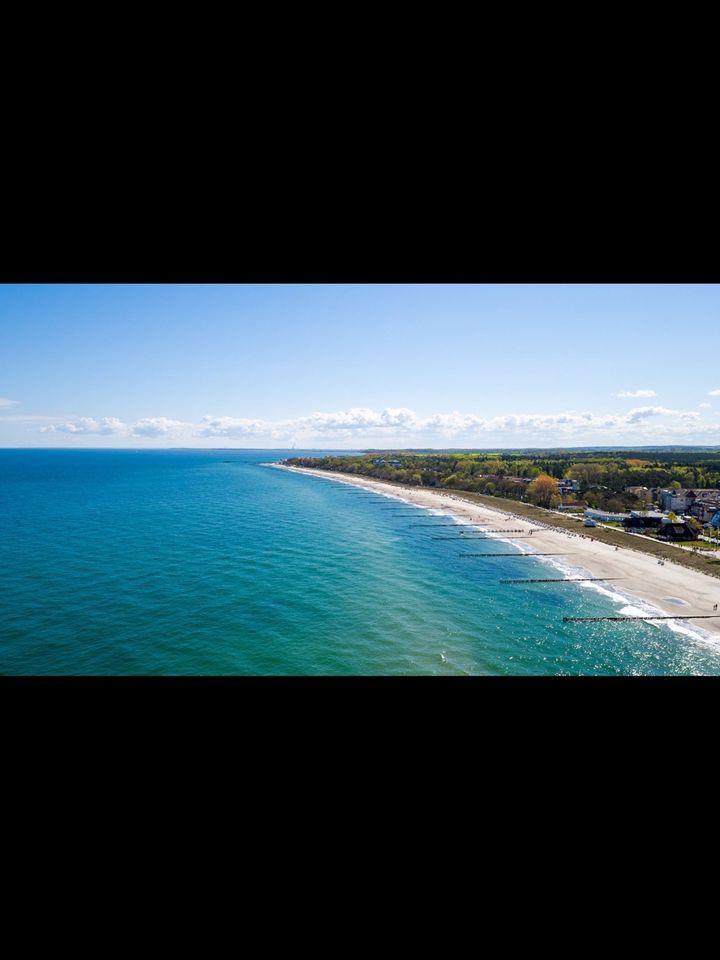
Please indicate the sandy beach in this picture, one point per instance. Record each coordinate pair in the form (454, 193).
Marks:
(669, 588)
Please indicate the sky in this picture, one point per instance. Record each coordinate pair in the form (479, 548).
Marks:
(354, 366)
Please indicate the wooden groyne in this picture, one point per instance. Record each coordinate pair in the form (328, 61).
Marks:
(479, 537)
(463, 529)
(509, 530)
(489, 539)
(567, 580)
(426, 524)
(516, 556)
(675, 616)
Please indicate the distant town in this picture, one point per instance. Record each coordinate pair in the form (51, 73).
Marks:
(669, 495)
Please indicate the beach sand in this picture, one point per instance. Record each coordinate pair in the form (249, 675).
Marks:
(670, 588)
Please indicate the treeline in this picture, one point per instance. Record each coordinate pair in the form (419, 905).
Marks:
(602, 477)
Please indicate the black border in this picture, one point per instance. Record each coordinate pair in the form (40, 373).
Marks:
(445, 228)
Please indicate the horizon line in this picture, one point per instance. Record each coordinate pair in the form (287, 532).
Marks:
(660, 446)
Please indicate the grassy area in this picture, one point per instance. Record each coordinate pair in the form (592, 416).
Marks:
(700, 545)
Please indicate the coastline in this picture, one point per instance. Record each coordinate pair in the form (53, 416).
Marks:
(666, 589)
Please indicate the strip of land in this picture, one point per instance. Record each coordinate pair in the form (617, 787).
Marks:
(674, 581)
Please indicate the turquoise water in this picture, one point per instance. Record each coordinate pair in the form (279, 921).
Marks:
(176, 562)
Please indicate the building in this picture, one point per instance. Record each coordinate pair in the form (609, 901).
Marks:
(567, 486)
(603, 515)
(704, 508)
(642, 493)
(680, 501)
(676, 530)
(573, 505)
(675, 500)
(643, 520)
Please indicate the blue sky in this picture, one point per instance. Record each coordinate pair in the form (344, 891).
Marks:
(348, 366)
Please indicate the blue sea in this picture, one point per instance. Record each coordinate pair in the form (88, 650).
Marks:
(210, 562)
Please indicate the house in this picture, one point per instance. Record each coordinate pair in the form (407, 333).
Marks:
(706, 493)
(704, 509)
(680, 501)
(567, 486)
(573, 505)
(642, 493)
(643, 520)
(675, 500)
(676, 530)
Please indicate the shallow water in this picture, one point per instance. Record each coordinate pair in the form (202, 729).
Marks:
(176, 562)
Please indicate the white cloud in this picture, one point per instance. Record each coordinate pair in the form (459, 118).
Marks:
(714, 393)
(642, 413)
(158, 427)
(355, 421)
(361, 418)
(636, 393)
(401, 426)
(4, 402)
(106, 425)
(705, 406)
(232, 426)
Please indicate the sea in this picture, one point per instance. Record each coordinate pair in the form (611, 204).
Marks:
(212, 562)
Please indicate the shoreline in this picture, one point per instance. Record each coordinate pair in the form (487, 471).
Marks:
(669, 588)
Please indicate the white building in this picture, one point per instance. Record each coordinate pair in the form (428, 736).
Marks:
(603, 515)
